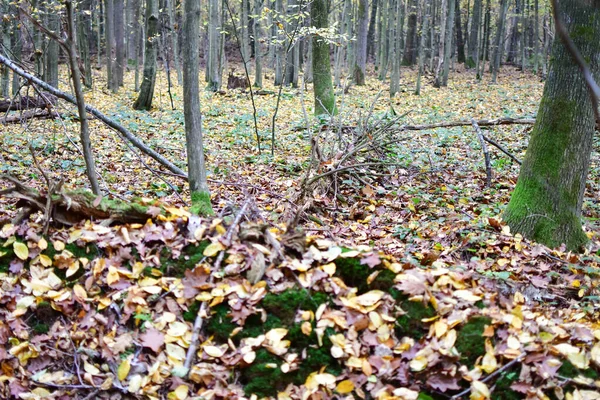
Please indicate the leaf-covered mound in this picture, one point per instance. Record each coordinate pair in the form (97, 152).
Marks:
(109, 311)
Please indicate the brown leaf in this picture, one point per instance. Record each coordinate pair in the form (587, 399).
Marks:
(153, 339)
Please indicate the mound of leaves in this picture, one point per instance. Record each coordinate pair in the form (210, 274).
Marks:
(109, 311)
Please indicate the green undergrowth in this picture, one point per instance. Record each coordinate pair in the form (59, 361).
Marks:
(410, 323)
(470, 342)
(191, 255)
(264, 376)
(502, 390)
(355, 274)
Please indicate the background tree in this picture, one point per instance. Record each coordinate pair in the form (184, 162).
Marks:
(360, 63)
(546, 203)
(191, 110)
(323, 86)
(144, 100)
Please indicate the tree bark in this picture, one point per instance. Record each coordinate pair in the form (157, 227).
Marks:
(119, 42)
(421, 52)
(52, 51)
(473, 49)
(371, 32)
(191, 110)
(448, 44)
(109, 30)
(499, 40)
(144, 100)
(84, 37)
(174, 35)
(460, 41)
(546, 203)
(410, 48)
(84, 134)
(323, 86)
(214, 45)
(360, 63)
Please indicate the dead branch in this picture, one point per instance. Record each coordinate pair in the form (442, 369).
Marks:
(486, 153)
(27, 115)
(481, 122)
(123, 132)
(191, 352)
(27, 103)
(501, 148)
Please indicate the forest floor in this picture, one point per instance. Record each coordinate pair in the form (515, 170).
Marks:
(407, 284)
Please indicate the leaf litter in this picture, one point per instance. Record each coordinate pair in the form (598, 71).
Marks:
(411, 288)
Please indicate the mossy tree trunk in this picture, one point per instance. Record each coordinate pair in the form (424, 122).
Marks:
(546, 203)
(360, 62)
(191, 110)
(323, 86)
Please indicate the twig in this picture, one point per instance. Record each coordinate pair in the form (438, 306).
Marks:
(490, 376)
(191, 353)
(502, 149)
(481, 122)
(486, 153)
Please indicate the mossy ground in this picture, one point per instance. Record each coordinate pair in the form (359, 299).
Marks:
(355, 274)
(189, 258)
(470, 342)
(410, 324)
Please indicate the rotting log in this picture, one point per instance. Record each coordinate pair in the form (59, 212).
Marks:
(124, 132)
(27, 103)
(28, 114)
(72, 207)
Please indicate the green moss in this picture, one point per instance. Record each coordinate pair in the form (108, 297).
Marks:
(286, 304)
(263, 377)
(7, 254)
(353, 273)
(502, 390)
(470, 342)
(41, 328)
(568, 370)
(383, 281)
(190, 256)
(410, 324)
(219, 325)
(201, 204)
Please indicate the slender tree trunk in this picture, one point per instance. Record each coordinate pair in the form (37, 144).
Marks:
(546, 46)
(371, 32)
(119, 42)
(387, 37)
(52, 50)
(17, 47)
(214, 45)
(191, 110)
(410, 48)
(340, 50)
(293, 57)
(515, 35)
(432, 46)
(360, 64)
(245, 35)
(99, 14)
(144, 100)
(258, 74)
(139, 44)
(448, 45)
(279, 48)
(473, 48)
(396, 55)
(174, 40)
(460, 42)
(546, 203)
(441, 43)
(84, 35)
(499, 40)
(323, 86)
(84, 134)
(536, 38)
(109, 30)
(421, 53)
(523, 38)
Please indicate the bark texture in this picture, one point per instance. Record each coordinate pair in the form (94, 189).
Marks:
(360, 63)
(546, 203)
(323, 85)
(144, 100)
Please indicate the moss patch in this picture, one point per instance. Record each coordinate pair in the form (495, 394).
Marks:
(284, 305)
(568, 370)
(410, 324)
(470, 342)
(201, 204)
(190, 257)
(502, 390)
(219, 325)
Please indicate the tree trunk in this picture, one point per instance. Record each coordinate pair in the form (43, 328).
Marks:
(292, 59)
(371, 33)
(258, 74)
(396, 54)
(191, 110)
(536, 37)
(441, 43)
(119, 42)
(515, 36)
(499, 40)
(52, 51)
(360, 63)
(144, 100)
(340, 51)
(421, 53)
(174, 40)
(109, 30)
(410, 48)
(473, 49)
(448, 45)
(84, 135)
(546, 203)
(84, 36)
(323, 86)
(214, 45)
(17, 47)
(460, 41)
(245, 35)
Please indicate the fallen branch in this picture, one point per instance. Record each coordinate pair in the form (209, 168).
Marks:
(27, 103)
(29, 114)
(191, 352)
(481, 122)
(124, 132)
(502, 149)
(486, 153)
(69, 208)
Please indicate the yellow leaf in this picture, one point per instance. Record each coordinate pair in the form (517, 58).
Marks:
(214, 351)
(123, 369)
(45, 260)
(181, 393)
(90, 369)
(345, 387)
(21, 250)
(42, 244)
(80, 292)
(212, 249)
